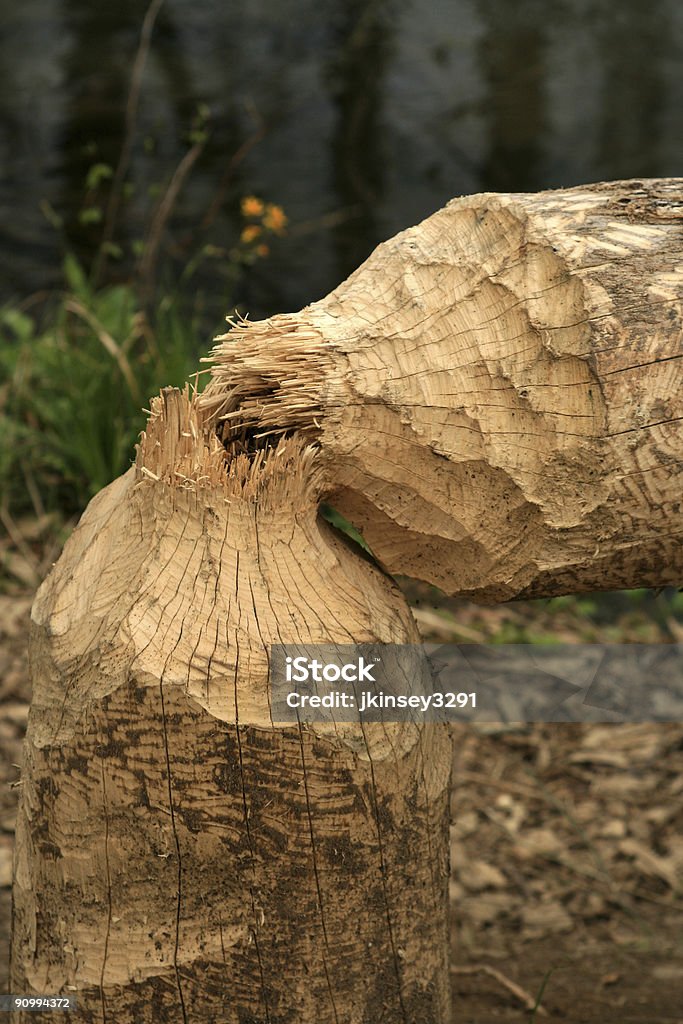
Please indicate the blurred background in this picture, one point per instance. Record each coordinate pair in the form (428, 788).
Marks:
(165, 163)
(357, 117)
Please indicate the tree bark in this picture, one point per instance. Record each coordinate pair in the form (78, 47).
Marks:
(179, 856)
(496, 393)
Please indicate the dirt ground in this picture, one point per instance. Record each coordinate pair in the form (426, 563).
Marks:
(567, 869)
(567, 843)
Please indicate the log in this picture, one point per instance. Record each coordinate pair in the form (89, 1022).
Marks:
(180, 858)
(496, 394)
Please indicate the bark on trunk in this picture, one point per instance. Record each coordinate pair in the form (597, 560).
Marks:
(179, 858)
(496, 393)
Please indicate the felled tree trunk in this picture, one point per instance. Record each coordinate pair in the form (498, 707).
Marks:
(179, 857)
(497, 393)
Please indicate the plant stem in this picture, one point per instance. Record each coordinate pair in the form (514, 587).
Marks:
(132, 105)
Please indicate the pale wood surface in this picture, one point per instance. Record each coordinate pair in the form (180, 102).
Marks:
(495, 399)
(497, 392)
(179, 857)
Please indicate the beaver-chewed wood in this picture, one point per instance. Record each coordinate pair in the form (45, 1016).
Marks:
(180, 858)
(497, 393)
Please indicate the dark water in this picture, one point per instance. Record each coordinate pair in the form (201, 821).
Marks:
(361, 118)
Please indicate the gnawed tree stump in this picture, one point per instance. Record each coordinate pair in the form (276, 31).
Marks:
(495, 399)
(497, 393)
(179, 857)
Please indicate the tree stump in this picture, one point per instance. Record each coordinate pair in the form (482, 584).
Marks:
(180, 858)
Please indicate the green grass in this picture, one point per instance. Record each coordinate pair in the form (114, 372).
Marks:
(74, 384)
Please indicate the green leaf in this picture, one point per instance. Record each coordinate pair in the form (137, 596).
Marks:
(113, 250)
(97, 174)
(19, 323)
(75, 276)
(50, 214)
(90, 215)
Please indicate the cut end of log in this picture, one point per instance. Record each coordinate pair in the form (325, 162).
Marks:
(267, 378)
(181, 449)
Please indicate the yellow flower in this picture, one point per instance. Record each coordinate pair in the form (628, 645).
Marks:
(249, 233)
(262, 250)
(274, 218)
(251, 206)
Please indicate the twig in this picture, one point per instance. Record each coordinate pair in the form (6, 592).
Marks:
(34, 493)
(326, 221)
(235, 160)
(520, 993)
(34, 299)
(129, 133)
(108, 343)
(164, 210)
(18, 540)
(507, 787)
